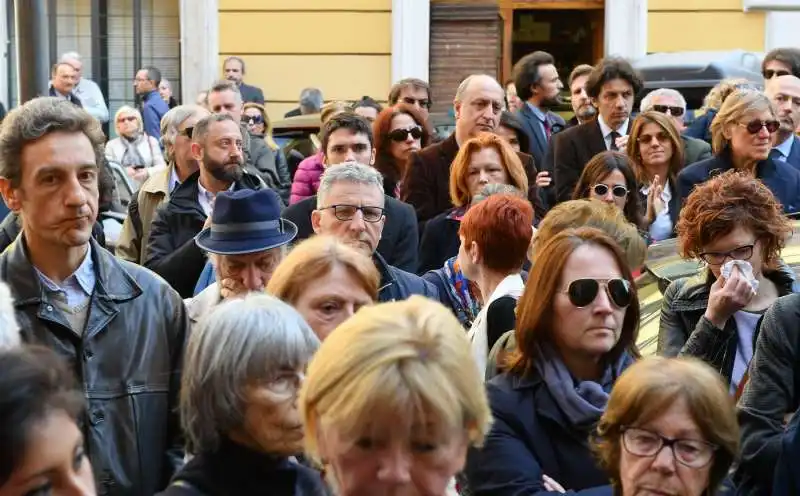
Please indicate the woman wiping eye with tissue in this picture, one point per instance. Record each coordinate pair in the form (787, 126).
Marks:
(735, 226)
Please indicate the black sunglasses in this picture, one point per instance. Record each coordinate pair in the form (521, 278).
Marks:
(673, 111)
(401, 135)
(188, 132)
(618, 190)
(582, 292)
(769, 73)
(252, 119)
(754, 126)
(423, 102)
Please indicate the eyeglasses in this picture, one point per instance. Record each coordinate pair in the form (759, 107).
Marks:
(744, 252)
(646, 139)
(769, 73)
(423, 102)
(754, 126)
(582, 292)
(401, 135)
(618, 190)
(673, 111)
(129, 118)
(252, 119)
(187, 132)
(693, 453)
(347, 212)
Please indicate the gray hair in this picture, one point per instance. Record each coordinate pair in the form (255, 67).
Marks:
(70, 56)
(9, 328)
(172, 120)
(496, 189)
(464, 86)
(37, 118)
(351, 172)
(647, 101)
(311, 100)
(243, 341)
(225, 85)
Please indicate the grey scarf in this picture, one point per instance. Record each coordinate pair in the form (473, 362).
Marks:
(131, 156)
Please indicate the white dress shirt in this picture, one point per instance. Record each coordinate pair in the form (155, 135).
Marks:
(622, 130)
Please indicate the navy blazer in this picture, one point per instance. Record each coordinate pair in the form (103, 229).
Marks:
(794, 155)
(537, 139)
(251, 93)
(781, 178)
(530, 437)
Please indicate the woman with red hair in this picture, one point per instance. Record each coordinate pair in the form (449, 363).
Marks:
(398, 131)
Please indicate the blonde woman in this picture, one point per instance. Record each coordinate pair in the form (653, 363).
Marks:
(392, 401)
(701, 127)
(133, 149)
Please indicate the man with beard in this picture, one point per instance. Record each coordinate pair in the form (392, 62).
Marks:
(172, 252)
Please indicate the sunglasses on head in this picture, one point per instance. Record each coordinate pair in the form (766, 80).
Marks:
(582, 292)
(754, 126)
(618, 190)
(673, 111)
(769, 73)
(252, 119)
(400, 135)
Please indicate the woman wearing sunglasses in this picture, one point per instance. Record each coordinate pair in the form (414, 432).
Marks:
(609, 177)
(577, 323)
(132, 149)
(743, 132)
(398, 131)
(715, 318)
(656, 148)
(255, 117)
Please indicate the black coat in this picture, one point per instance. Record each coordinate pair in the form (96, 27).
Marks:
(127, 360)
(172, 252)
(251, 93)
(235, 470)
(398, 285)
(439, 242)
(399, 240)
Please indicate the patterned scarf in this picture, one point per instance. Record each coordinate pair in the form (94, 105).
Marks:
(462, 291)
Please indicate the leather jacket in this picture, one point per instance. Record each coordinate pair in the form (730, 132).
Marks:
(127, 361)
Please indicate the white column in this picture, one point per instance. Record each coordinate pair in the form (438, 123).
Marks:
(781, 29)
(199, 46)
(411, 21)
(5, 55)
(626, 28)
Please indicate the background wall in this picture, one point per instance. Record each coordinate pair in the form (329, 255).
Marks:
(342, 47)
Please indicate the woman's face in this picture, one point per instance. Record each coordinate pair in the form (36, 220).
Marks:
(165, 91)
(747, 146)
(736, 245)
(271, 420)
(509, 135)
(655, 147)
(485, 167)
(465, 257)
(255, 121)
(332, 299)
(400, 150)
(662, 473)
(386, 460)
(54, 461)
(613, 182)
(127, 124)
(593, 330)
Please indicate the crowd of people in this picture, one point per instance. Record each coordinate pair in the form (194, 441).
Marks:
(402, 312)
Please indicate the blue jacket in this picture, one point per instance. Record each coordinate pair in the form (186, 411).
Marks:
(530, 437)
(700, 128)
(794, 155)
(153, 109)
(781, 178)
(787, 478)
(397, 285)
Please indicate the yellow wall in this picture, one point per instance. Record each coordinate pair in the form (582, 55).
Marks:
(342, 47)
(679, 25)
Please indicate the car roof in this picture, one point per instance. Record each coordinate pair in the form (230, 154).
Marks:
(698, 68)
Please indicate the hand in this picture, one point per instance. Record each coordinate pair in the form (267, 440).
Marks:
(552, 485)
(728, 296)
(231, 288)
(655, 203)
(141, 174)
(543, 179)
(622, 142)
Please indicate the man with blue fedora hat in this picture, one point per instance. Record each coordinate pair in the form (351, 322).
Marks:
(246, 240)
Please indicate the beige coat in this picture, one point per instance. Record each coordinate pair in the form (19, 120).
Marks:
(200, 305)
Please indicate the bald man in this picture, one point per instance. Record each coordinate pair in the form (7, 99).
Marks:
(784, 91)
(478, 103)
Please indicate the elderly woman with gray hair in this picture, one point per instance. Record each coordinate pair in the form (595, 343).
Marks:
(138, 153)
(243, 370)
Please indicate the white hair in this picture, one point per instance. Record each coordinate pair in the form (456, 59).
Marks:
(647, 101)
(9, 328)
(71, 56)
(347, 172)
(172, 120)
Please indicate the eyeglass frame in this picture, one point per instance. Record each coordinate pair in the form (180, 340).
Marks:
(764, 124)
(187, 131)
(674, 110)
(774, 73)
(611, 188)
(602, 285)
(357, 208)
(670, 443)
(729, 254)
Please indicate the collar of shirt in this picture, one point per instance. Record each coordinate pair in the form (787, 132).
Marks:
(174, 181)
(81, 281)
(786, 147)
(206, 198)
(536, 111)
(606, 129)
(666, 194)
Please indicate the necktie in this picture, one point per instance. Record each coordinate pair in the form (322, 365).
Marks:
(547, 129)
(775, 154)
(614, 135)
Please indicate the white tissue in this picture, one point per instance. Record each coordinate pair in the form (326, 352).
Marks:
(745, 269)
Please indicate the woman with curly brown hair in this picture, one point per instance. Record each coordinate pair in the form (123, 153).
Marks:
(734, 224)
(398, 131)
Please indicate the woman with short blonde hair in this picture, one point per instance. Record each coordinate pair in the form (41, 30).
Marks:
(132, 149)
(395, 382)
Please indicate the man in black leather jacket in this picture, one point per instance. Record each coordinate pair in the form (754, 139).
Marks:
(121, 327)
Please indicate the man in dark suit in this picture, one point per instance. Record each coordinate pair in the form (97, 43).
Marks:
(478, 103)
(784, 91)
(612, 86)
(234, 71)
(63, 79)
(671, 103)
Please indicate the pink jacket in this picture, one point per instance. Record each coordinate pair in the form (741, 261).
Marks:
(306, 178)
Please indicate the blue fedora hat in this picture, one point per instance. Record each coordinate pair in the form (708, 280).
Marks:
(246, 221)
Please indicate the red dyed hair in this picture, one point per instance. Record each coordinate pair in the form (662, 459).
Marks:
(502, 227)
(384, 161)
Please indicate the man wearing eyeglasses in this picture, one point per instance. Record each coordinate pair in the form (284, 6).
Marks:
(414, 92)
(671, 103)
(782, 61)
(784, 91)
(350, 206)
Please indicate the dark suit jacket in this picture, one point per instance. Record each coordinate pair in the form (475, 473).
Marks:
(794, 154)
(781, 178)
(399, 240)
(426, 185)
(536, 137)
(694, 150)
(292, 113)
(251, 93)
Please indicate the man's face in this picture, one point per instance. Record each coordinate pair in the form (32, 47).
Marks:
(249, 272)
(57, 195)
(784, 91)
(368, 113)
(658, 103)
(64, 79)
(77, 65)
(775, 68)
(221, 154)
(416, 97)
(142, 84)
(346, 146)
(225, 102)
(480, 107)
(615, 102)
(233, 71)
(357, 232)
(549, 86)
(581, 103)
